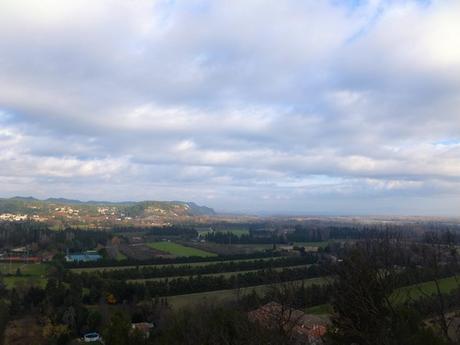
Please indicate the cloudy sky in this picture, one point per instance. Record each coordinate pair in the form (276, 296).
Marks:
(307, 107)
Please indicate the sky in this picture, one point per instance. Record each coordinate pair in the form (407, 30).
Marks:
(274, 107)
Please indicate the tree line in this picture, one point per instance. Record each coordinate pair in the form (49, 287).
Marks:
(147, 272)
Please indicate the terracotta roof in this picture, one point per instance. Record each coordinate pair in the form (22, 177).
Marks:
(144, 327)
(274, 315)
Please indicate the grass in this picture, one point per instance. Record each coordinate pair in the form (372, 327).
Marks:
(111, 268)
(417, 291)
(12, 282)
(322, 309)
(404, 294)
(120, 256)
(26, 269)
(220, 296)
(178, 249)
(31, 274)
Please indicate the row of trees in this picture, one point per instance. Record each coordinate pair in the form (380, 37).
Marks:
(148, 272)
(173, 230)
(162, 260)
(13, 234)
(123, 291)
(303, 233)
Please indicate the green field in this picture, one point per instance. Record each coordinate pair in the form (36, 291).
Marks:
(31, 274)
(416, 291)
(322, 309)
(26, 269)
(178, 249)
(224, 274)
(406, 293)
(13, 282)
(219, 296)
(120, 256)
(204, 263)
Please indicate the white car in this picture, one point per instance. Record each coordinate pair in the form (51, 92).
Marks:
(90, 337)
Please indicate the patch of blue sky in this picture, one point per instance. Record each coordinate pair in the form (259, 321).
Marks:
(376, 15)
(352, 4)
(5, 116)
(447, 142)
(368, 25)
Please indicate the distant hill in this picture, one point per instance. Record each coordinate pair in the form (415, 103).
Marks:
(142, 209)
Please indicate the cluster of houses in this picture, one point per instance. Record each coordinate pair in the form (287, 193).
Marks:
(68, 210)
(23, 255)
(304, 329)
(12, 217)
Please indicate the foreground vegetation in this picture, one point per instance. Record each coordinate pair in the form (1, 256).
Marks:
(372, 286)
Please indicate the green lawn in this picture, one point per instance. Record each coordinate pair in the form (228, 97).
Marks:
(26, 269)
(420, 290)
(219, 296)
(178, 249)
(322, 309)
(12, 282)
(31, 274)
(405, 293)
(120, 256)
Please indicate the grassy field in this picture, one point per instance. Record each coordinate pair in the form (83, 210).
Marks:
(31, 274)
(405, 293)
(26, 269)
(12, 282)
(181, 301)
(322, 309)
(120, 256)
(420, 290)
(178, 249)
(224, 274)
(111, 268)
(230, 249)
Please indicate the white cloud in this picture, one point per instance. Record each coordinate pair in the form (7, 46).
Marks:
(248, 105)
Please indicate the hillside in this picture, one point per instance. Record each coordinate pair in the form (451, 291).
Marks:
(64, 211)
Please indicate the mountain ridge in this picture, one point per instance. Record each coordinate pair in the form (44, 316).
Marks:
(145, 208)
